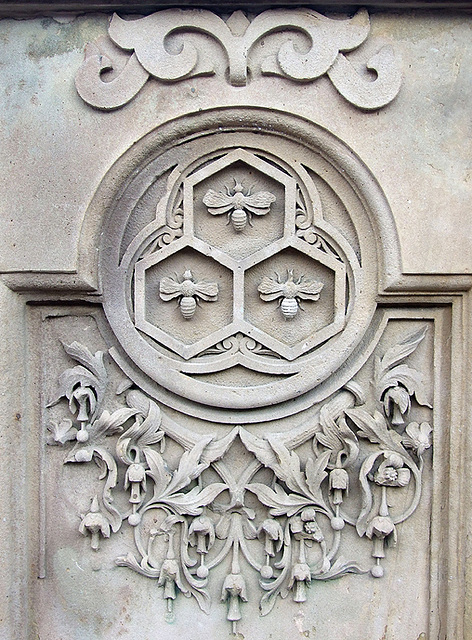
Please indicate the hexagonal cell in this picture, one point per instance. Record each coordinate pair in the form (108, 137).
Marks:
(287, 278)
(188, 296)
(240, 203)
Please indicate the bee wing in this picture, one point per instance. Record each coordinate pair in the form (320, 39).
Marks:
(270, 289)
(217, 202)
(259, 203)
(310, 290)
(207, 290)
(168, 289)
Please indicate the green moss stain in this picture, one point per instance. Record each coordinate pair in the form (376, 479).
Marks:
(53, 39)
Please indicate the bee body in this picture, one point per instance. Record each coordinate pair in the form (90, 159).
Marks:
(188, 304)
(187, 289)
(239, 206)
(239, 219)
(291, 291)
(289, 308)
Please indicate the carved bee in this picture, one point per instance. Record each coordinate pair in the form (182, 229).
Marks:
(291, 291)
(238, 205)
(187, 289)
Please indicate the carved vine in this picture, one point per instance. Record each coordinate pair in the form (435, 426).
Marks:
(296, 535)
(143, 44)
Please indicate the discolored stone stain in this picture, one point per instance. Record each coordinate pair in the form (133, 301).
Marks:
(54, 39)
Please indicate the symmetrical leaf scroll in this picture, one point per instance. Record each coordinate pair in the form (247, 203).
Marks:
(190, 516)
(145, 40)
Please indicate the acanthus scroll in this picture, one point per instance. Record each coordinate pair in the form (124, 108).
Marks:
(295, 535)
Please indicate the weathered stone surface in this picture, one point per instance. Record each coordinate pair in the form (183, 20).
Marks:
(243, 359)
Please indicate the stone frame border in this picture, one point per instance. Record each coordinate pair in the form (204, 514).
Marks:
(39, 288)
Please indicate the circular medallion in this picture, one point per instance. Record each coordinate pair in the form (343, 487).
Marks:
(238, 262)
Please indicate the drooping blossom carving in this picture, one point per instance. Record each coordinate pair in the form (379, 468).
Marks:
(293, 535)
(139, 49)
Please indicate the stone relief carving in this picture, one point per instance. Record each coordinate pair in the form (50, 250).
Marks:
(188, 291)
(290, 291)
(187, 521)
(239, 206)
(309, 424)
(158, 46)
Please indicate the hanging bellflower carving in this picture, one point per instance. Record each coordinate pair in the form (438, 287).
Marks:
(302, 500)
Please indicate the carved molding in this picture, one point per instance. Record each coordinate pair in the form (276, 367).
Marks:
(152, 56)
(27, 8)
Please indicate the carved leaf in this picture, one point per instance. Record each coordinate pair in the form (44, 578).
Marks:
(92, 362)
(338, 569)
(407, 377)
(141, 434)
(189, 467)
(216, 449)
(108, 424)
(90, 373)
(192, 503)
(144, 569)
(280, 503)
(158, 471)
(399, 352)
(315, 474)
(261, 449)
(375, 429)
(71, 378)
(61, 432)
(289, 468)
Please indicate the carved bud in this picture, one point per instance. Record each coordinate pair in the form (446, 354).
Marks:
(95, 523)
(300, 577)
(85, 399)
(203, 529)
(381, 527)
(169, 576)
(397, 403)
(339, 479)
(272, 532)
(234, 589)
(136, 477)
(418, 437)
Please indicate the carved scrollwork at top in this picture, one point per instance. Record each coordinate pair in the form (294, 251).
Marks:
(150, 45)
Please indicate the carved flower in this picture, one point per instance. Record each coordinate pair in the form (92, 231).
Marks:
(136, 477)
(392, 473)
(397, 403)
(305, 526)
(418, 437)
(234, 588)
(339, 479)
(382, 527)
(169, 577)
(300, 577)
(95, 523)
(202, 533)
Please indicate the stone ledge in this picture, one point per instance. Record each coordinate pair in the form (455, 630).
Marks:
(32, 8)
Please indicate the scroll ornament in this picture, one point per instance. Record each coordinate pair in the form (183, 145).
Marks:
(142, 44)
(294, 536)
